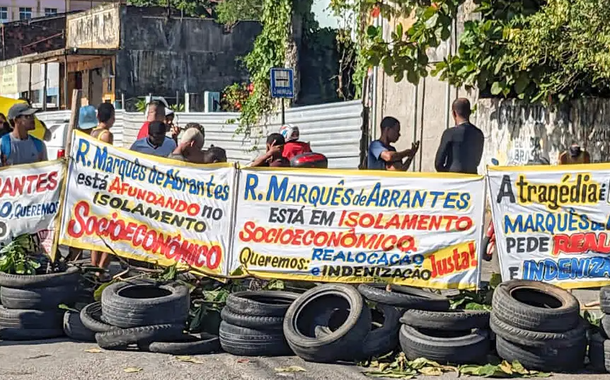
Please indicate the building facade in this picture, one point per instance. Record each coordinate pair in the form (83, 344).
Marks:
(14, 10)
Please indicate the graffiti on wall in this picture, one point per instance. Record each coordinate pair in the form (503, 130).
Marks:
(525, 150)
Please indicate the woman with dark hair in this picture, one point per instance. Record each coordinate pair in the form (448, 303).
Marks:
(5, 126)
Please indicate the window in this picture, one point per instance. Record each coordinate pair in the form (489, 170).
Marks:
(50, 11)
(3, 14)
(25, 13)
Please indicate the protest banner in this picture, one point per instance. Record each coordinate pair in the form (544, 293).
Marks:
(356, 226)
(551, 223)
(148, 208)
(29, 203)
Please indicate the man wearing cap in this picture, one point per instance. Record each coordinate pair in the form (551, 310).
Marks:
(293, 146)
(87, 119)
(18, 147)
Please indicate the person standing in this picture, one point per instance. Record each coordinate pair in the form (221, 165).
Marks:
(156, 112)
(5, 127)
(383, 156)
(87, 119)
(156, 144)
(189, 149)
(273, 156)
(105, 121)
(293, 146)
(461, 147)
(18, 147)
(214, 155)
(574, 155)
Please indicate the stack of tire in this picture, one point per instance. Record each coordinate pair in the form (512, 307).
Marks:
(147, 315)
(30, 304)
(333, 322)
(539, 325)
(252, 323)
(599, 347)
(430, 330)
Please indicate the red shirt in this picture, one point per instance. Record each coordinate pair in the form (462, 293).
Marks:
(143, 131)
(294, 148)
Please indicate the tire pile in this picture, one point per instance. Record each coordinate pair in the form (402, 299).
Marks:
(252, 323)
(430, 330)
(147, 315)
(30, 304)
(333, 322)
(599, 347)
(539, 325)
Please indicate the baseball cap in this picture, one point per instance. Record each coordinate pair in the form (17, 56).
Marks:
(87, 117)
(20, 109)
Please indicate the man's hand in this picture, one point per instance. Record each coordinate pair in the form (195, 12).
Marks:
(175, 131)
(274, 149)
(414, 149)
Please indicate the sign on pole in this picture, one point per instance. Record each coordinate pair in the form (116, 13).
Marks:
(282, 83)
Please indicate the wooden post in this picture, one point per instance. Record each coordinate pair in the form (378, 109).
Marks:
(74, 110)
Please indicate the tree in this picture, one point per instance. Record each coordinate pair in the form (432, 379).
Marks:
(191, 8)
(231, 11)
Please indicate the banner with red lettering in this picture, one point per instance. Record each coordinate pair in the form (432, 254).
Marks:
(551, 223)
(148, 208)
(419, 229)
(29, 203)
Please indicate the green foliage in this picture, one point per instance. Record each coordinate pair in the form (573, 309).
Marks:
(399, 367)
(191, 8)
(20, 256)
(269, 51)
(231, 11)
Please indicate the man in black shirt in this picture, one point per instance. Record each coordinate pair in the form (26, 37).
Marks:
(461, 147)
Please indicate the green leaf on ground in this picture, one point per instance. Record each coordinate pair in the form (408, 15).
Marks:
(292, 368)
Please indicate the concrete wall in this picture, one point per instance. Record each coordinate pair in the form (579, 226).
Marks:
(32, 36)
(516, 132)
(162, 55)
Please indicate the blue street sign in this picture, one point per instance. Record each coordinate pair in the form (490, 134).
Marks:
(282, 83)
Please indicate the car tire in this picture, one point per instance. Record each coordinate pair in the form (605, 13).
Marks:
(261, 303)
(122, 338)
(74, 328)
(530, 338)
(605, 324)
(453, 320)
(251, 321)
(384, 339)
(40, 280)
(405, 297)
(525, 304)
(322, 306)
(466, 347)
(599, 352)
(564, 359)
(30, 324)
(604, 299)
(38, 298)
(243, 341)
(144, 303)
(91, 317)
(185, 345)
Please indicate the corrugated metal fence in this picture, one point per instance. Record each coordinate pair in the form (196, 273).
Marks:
(333, 129)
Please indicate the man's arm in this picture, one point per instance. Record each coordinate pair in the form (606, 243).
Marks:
(440, 162)
(43, 153)
(258, 161)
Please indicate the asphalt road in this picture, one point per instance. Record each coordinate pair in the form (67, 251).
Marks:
(61, 360)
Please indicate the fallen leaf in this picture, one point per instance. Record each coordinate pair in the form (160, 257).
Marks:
(243, 360)
(388, 375)
(518, 368)
(506, 367)
(93, 350)
(542, 374)
(132, 369)
(189, 359)
(431, 371)
(292, 368)
(383, 366)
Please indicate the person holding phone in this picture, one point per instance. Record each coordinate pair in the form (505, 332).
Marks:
(383, 156)
(461, 147)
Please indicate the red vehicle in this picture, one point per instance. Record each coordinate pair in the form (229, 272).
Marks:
(489, 241)
(309, 160)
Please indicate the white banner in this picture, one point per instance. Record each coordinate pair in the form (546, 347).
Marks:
(148, 208)
(360, 226)
(29, 202)
(551, 223)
